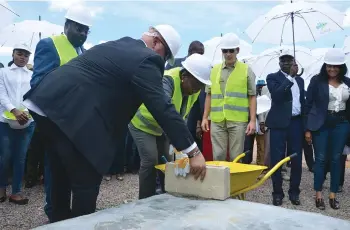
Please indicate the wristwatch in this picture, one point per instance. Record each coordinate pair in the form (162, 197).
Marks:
(196, 153)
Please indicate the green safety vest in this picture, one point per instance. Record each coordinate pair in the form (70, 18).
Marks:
(143, 119)
(233, 104)
(65, 50)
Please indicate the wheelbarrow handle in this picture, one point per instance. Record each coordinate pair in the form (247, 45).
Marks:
(267, 175)
(240, 156)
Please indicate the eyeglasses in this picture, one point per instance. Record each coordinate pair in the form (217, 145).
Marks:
(228, 51)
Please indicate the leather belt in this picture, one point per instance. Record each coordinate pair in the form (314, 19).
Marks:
(296, 116)
(340, 113)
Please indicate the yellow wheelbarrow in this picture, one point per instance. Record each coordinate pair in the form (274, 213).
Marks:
(244, 177)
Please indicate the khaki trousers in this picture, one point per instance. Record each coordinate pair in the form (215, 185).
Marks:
(227, 134)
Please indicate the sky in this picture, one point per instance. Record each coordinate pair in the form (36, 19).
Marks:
(194, 20)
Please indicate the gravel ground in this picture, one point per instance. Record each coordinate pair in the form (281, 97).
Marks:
(113, 193)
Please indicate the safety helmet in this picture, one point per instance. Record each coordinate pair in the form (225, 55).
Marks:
(335, 56)
(172, 39)
(260, 83)
(22, 46)
(80, 15)
(199, 66)
(229, 41)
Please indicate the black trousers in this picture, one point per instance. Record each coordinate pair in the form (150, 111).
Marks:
(71, 173)
(248, 146)
(35, 158)
(309, 155)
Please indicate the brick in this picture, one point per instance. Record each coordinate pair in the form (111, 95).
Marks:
(216, 184)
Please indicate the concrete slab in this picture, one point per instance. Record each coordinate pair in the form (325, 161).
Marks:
(175, 213)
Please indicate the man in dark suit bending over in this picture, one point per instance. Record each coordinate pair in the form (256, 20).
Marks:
(84, 106)
(286, 124)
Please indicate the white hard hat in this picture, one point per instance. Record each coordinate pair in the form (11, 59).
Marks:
(335, 56)
(80, 15)
(172, 39)
(199, 66)
(229, 41)
(22, 46)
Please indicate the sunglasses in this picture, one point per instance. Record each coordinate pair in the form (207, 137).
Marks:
(228, 51)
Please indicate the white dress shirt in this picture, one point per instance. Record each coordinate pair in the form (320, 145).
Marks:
(14, 83)
(296, 109)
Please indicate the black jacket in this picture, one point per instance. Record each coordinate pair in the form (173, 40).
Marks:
(317, 99)
(93, 97)
(279, 87)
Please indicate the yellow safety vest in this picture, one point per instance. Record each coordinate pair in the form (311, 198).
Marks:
(143, 119)
(65, 50)
(233, 104)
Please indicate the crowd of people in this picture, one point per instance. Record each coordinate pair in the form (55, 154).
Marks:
(106, 111)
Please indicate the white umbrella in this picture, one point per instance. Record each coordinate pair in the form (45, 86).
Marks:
(311, 20)
(268, 61)
(7, 14)
(319, 52)
(248, 59)
(212, 49)
(311, 70)
(29, 32)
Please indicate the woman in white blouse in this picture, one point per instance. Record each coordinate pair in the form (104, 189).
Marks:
(327, 128)
(14, 83)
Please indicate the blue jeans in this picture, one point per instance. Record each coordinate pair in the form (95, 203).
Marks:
(14, 144)
(47, 187)
(331, 136)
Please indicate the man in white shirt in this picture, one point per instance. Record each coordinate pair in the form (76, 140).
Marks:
(285, 121)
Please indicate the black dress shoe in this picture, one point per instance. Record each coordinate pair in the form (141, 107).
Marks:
(320, 204)
(277, 201)
(334, 203)
(21, 201)
(295, 201)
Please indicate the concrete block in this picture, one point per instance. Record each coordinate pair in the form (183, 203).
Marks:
(216, 184)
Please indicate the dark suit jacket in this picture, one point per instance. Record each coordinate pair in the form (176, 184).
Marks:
(279, 87)
(317, 99)
(45, 60)
(93, 97)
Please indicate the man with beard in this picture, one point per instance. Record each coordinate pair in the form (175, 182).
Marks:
(50, 54)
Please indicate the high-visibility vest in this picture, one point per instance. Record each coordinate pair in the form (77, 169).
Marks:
(233, 104)
(65, 49)
(143, 119)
